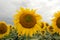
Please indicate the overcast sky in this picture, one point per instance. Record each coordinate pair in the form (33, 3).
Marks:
(46, 8)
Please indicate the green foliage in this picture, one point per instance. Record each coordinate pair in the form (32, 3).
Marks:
(14, 36)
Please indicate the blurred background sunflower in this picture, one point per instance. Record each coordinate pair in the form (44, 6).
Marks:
(43, 25)
(56, 22)
(4, 29)
(43, 32)
(51, 30)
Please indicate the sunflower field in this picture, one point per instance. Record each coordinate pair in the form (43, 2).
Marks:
(28, 25)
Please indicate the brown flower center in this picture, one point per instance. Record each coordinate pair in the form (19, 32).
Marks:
(27, 20)
(3, 28)
(58, 22)
(42, 26)
(47, 24)
(42, 32)
(51, 28)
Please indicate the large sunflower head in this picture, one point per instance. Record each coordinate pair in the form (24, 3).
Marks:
(4, 29)
(50, 29)
(26, 21)
(56, 22)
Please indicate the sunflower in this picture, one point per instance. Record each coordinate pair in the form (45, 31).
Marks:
(43, 25)
(4, 29)
(26, 21)
(43, 32)
(56, 22)
(50, 29)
